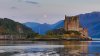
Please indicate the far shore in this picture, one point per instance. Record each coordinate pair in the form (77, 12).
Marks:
(48, 39)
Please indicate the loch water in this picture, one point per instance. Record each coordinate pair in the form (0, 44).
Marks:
(49, 48)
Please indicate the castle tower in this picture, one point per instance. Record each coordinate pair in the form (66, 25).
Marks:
(71, 23)
(66, 23)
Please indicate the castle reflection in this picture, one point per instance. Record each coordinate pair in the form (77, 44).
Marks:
(75, 48)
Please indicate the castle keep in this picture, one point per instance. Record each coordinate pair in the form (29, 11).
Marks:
(72, 24)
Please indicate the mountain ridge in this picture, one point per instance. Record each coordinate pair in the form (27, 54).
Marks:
(39, 28)
(87, 20)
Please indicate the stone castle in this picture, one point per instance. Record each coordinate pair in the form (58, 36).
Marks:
(72, 23)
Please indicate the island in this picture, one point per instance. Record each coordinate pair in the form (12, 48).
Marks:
(72, 30)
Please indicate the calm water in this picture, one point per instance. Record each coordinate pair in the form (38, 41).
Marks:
(50, 48)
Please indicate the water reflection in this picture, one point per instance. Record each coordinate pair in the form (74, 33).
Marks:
(76, 48)
(49, 48)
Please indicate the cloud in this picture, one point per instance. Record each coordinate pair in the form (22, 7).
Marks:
(13, 7)
(29, 1)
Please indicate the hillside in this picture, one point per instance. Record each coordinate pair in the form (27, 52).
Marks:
(8, 26)
(92, 22)
(43, 28)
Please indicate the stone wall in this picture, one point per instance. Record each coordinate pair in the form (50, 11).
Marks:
(72, 23)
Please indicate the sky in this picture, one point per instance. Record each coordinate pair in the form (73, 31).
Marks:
(45, 11)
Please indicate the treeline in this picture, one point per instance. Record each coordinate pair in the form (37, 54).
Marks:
(10, 27)
(61, 33)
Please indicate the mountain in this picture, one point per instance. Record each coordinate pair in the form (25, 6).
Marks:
(8, 26)
(58, 24)
(43, 28)
(39, 28)
(31, 24)
(91, 21)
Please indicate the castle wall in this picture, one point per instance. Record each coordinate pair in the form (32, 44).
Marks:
(65, 24)
(84, 33)
(72, 23)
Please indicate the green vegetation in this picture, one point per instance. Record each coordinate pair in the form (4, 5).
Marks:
(75, 32)
(61, 33)
(10, 27)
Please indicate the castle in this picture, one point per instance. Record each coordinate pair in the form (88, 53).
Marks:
(72, 24)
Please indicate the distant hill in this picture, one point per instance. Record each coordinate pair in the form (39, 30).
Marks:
(91, 21)
(8, 26)
(58, 24)
(40, 28)
(31, 24)
(43, 28)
